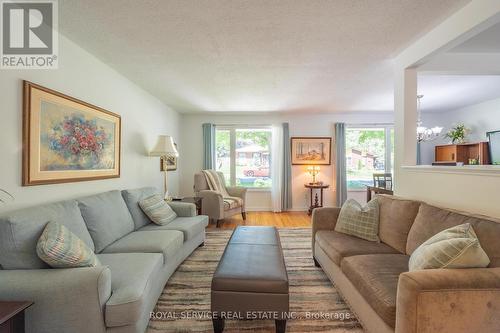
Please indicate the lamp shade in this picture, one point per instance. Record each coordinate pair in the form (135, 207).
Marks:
(164, 146)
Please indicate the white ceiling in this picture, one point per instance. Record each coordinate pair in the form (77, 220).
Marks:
(448, 92)
(487, 41)
(258, 55)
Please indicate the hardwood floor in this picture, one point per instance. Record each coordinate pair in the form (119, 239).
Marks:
(280, 220)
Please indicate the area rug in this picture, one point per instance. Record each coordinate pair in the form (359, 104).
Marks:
(315, 304)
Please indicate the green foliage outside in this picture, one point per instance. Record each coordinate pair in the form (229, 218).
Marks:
(368, 141)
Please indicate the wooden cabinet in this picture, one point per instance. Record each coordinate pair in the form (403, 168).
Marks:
(462, 153)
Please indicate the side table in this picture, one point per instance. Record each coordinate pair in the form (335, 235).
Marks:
(12, 316)
(194, 200)
(317, 203)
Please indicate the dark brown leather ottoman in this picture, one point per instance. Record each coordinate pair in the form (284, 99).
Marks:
(250, 281)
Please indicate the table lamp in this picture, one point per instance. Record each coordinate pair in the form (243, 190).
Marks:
(313, 171)
(164, 148)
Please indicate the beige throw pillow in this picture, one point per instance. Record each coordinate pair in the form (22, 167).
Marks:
(456, 247)
(359, 221)
(157, 209)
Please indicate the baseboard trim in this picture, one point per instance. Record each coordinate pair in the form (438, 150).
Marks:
(259, 209)
(270, 209)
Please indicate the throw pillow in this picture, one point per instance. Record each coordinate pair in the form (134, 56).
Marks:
(456, 247)
(157, 209)
(359, 221)
(60, 248)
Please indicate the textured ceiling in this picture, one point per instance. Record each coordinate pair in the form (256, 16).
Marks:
(255, 55)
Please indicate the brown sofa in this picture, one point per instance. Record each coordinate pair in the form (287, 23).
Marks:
(374, 279)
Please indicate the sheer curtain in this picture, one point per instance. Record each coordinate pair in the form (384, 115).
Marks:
(277, 167)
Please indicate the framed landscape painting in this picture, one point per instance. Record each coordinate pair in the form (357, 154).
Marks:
(311, 150)
(67, 140)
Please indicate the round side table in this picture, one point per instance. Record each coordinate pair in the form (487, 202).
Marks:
(317, 202)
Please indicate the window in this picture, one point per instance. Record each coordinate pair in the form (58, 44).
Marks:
(243, 155)
(369, 150)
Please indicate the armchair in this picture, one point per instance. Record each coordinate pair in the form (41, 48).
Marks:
(214, 204)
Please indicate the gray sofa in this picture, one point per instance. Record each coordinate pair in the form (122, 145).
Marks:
(138, 258)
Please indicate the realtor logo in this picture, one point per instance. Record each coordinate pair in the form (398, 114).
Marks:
(29, 34)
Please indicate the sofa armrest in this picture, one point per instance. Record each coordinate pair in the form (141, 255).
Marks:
(449, 300)
(65, 300)
(238, 191)
(183, 209)
(213, 204)
(323, 218)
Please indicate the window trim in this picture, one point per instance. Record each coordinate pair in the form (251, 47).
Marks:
(232, 152)
(387, 143)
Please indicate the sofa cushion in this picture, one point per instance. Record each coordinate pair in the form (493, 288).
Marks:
(132, 198)
(190, 226)
(337, 245)
(359, 221)
(107, 217)
(167, 242)
(132, 278)
(455, 247)
(396, 218)
(430, 220)
(60, 248)
(21, 229)
(157, 209)
(375, 276)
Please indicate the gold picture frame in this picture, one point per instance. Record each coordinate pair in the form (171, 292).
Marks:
(311, 150)
(67, 140)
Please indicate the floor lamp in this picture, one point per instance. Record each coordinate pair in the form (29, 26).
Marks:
(165, 148)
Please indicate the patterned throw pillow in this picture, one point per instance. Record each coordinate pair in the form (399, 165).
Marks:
(456, 247)
(60, 248)
(359, 221)
(157, 209)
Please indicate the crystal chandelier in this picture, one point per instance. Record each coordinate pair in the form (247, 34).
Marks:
(424, 133)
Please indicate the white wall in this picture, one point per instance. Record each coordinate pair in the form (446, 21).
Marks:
(300, 125)
(470, 191)
(83, 76)
(480, 118)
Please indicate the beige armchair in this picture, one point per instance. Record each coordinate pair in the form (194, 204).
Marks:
(213, 203)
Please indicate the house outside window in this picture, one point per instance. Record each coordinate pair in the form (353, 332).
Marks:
(369, 150)
(243, 155)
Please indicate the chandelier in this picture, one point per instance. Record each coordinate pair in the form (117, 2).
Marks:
(424, 133)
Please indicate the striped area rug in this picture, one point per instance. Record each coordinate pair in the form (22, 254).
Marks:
(317, 307)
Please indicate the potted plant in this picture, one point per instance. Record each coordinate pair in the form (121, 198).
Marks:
(457, 134)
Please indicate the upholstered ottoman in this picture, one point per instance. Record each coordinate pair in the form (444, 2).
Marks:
(251, 281)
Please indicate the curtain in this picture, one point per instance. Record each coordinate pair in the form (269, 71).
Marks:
(208, 146)
(419, 155)
(277, 168)
(340, 164)
(286, 192)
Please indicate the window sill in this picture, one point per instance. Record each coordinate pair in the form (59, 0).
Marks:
(478, 170)
(258, 189)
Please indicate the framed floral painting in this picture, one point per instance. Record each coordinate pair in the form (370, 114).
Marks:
(67, 140)
(311, 150)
